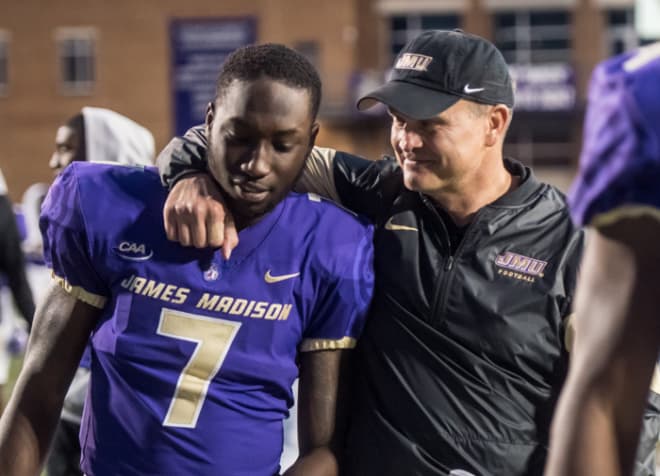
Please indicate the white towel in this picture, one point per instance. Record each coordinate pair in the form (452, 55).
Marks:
(111, 137)
(3, 184)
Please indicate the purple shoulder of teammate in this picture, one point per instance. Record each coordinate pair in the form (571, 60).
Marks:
(620, 161)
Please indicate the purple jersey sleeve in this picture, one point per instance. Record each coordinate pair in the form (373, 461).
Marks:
(620, 162)
(66, 244)
(340, 312)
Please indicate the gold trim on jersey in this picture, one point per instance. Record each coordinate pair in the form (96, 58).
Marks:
(80, 293)
(626, 211)
(310, 345)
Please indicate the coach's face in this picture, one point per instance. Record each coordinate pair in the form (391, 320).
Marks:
(260, 133)
(441, 153)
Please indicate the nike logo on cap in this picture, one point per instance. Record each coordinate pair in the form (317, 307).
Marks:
(393, 227)
(468, 90)
(269, 278)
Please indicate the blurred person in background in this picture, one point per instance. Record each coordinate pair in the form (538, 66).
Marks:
(12, 267)
(617, 194)
(101, 135)
(464, 352)
(28, 214)
(93, 135)
(30, 209)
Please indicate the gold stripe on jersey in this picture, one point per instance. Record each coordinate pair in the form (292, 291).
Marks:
(626, 211)
(310, 345)
(80, 293)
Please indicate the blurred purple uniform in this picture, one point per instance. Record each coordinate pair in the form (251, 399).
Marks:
(620, 163)
(194, 356)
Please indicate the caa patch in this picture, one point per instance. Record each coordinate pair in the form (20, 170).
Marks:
(133, 251)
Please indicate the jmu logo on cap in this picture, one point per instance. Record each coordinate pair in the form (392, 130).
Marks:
(414, 62)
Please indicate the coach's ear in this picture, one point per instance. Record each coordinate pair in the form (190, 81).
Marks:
(210, 114)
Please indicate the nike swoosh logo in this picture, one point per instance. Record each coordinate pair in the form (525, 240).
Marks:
(269, 278)
(137, 258)
(393, 227)
(468, 90)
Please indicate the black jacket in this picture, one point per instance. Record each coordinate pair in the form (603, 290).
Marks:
(463, 357)
(12, 262)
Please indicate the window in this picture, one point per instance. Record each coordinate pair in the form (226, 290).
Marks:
(533, 36)
(543, 139)
(621, 35)
(76, 48)
(4, 63)
(404, 28)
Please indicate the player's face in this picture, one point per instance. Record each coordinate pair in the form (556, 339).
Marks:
(260, 133)
(67, 148)
(439, 153)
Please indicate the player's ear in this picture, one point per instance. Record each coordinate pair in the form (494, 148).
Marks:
(210, 114)
(313, 134)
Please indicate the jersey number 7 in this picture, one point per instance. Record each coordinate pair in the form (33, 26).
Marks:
(213, 337)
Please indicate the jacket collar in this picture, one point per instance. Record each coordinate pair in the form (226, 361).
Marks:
(527, 190)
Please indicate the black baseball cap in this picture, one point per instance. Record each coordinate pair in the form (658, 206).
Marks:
(437, 68)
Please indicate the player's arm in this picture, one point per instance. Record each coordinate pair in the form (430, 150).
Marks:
(195, 213)
(330, 332)
(596, 428)
(62, 326)
(322, 401)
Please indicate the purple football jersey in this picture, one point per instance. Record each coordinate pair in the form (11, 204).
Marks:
(620, 162)
(194, 356)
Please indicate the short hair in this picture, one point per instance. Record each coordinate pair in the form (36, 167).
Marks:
(478, 109)
(274, 61)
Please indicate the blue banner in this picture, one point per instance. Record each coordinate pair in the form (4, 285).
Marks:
(199, 47)
(544, 87)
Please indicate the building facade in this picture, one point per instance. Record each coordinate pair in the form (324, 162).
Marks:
(155, 61)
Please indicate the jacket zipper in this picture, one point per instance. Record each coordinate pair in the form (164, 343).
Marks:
(448, 264)
(442, 292)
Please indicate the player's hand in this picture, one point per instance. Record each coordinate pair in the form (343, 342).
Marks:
(195, 215)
